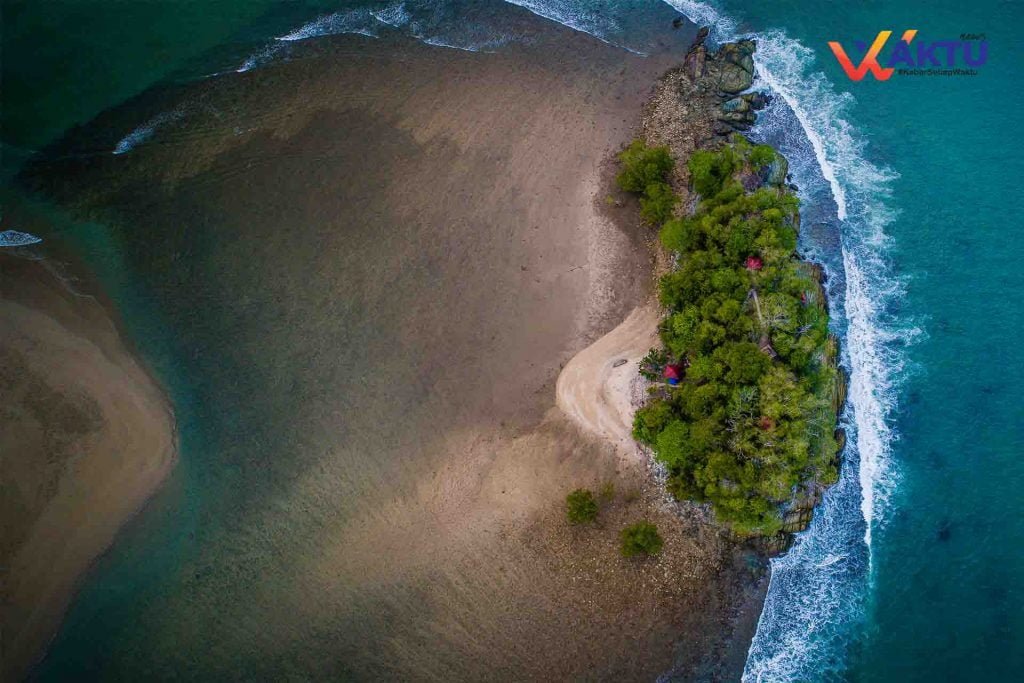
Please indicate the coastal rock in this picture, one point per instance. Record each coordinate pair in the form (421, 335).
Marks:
(775, 172)
(736, 66)
(702, 35)
(694, 64)
(722, 129)
(738, 120)
(757, 100)
(736, 104)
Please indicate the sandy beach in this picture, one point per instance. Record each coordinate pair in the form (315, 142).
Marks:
(86, 437)
(376, 260)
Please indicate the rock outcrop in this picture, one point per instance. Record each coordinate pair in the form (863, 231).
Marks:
(703, 101)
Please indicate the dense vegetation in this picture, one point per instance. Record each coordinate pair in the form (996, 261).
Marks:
(644, 172)
(641, 538)
(580, 506)
(753, 419)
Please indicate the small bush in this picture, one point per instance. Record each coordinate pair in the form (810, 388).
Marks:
(607, 493)
(645, 171)
(761, 156)
(580, 506)
(641, 538)
(642, 166)
(709, 170)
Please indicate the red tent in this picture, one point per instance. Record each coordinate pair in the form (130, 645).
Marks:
(754, 263)
(673, 372)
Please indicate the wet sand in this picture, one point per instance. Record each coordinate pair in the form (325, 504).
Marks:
(375, 260)
(86, 438)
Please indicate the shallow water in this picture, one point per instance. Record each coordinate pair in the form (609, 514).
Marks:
(358, 282)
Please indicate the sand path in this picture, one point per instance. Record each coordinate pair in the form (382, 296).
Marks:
(598, 391)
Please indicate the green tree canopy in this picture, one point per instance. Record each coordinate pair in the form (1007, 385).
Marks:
(643, 166)
(747, 424)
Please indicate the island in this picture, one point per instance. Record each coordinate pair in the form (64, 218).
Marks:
(745, 387)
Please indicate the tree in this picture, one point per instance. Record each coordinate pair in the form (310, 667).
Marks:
(580, 506)
(641, 538)
(682, 235)
(709, 170)
(657, 203)
(650, 420)
(642, 166)
(743, 429)
(744, 362)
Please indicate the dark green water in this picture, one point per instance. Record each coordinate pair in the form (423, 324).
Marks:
(64, 62)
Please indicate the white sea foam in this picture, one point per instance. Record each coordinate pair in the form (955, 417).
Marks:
(860, 190)
(146, 130)
(421, 20)
(359, 21)
(259, 58)
(575, 15)
(579, 17)
(14, 238)
(722, 27)
(396, 15)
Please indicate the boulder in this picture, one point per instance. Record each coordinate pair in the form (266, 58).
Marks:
(736, 66)
(736, 104)
(757, 100)
(702, 35)
(775, 172)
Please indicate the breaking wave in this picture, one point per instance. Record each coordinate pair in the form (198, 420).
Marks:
(146, 131)
(430, 22)
(14, 238)
(359, 21)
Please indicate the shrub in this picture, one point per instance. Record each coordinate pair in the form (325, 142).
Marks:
(580, 506)
(645, 171)
(642, 166)
(657, 203)
(650, 420)
(709, 170)
(761, 156)
(641, 538)
(681, 234)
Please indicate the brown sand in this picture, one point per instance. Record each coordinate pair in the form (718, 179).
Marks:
(86, 437)
(401, 246)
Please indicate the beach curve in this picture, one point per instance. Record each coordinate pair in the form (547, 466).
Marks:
(596, 389)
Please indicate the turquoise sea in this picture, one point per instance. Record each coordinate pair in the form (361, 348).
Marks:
(912, 569)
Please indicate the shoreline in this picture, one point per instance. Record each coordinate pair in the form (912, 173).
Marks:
(83, 401)
(600, 388)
